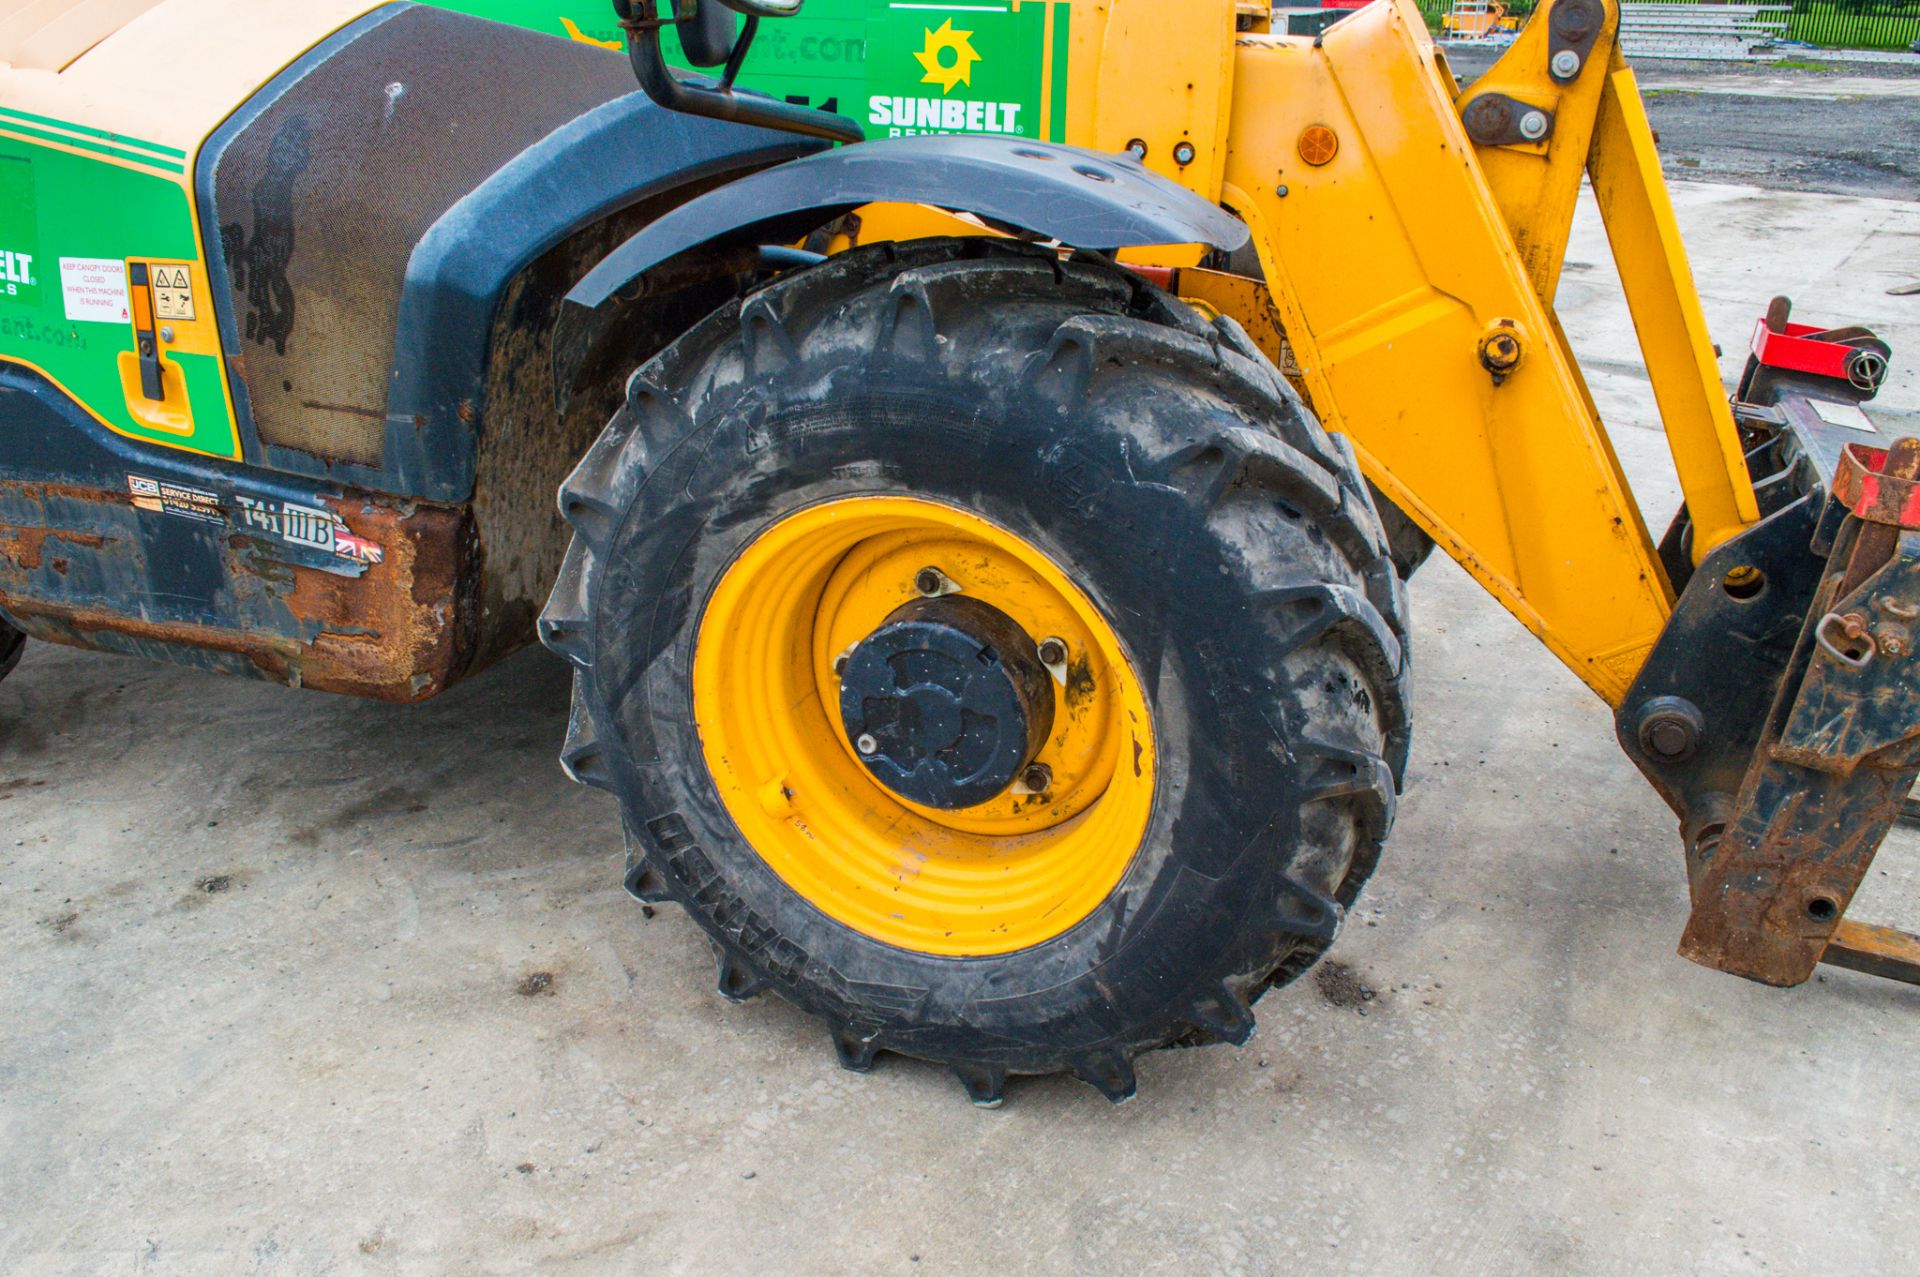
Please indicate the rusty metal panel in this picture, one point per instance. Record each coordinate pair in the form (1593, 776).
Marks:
(401, 630)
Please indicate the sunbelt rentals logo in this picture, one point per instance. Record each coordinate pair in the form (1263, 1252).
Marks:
(16, 273)
(20, 268)
(947, 59)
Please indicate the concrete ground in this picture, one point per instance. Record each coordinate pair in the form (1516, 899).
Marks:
(300, 985)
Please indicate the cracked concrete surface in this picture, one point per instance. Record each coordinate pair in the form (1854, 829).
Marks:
(300, 985)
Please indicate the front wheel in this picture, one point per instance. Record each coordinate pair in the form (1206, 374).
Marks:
(993, 656)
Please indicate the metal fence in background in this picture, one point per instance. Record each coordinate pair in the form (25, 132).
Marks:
(1855, 26)
(1833, 24)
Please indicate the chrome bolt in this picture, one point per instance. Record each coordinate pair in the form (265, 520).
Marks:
(1183, 154)
(866, 744)
(1533, 125)
(1566, 64)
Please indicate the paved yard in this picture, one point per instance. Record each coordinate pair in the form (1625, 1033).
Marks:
(298, 985)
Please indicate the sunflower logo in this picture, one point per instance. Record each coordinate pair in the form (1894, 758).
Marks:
(940, 71)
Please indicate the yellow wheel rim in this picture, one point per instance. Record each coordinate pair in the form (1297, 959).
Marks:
(1005, 875)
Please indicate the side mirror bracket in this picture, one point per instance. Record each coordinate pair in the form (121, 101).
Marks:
(709, 26)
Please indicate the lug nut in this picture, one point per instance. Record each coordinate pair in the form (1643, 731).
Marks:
(1533, 125)
(1566, 64)
(1053, 652)
(930, 582)
(1038, 778)
(866, 744)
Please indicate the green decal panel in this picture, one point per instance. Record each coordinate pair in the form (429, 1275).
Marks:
(967, 69)
(77, 218)
(897, 68)
(22, 264)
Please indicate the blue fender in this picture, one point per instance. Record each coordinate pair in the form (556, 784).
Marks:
(1081, 198)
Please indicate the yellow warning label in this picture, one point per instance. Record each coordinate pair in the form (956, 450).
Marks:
(173, 294)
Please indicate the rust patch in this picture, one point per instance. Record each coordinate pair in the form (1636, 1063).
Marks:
(401, 631)
(26, 546)
(1079, 688)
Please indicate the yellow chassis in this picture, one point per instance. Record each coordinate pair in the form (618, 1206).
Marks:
(1409, 278)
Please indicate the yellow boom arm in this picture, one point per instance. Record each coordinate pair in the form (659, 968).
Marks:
(1411, 236)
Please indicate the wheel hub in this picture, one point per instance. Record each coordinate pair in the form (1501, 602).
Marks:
(947, 702)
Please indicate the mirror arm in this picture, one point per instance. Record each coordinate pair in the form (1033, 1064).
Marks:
(739, 54)
(642, 22)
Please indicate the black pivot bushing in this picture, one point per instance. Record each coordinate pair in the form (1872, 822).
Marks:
(1670, 729)
(946, 702)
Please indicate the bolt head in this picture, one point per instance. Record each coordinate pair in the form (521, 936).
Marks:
(1668, 738)
(1500, 350)
(1533, 125)
(1565, 64)
(1670, 729)
(866, 744)
(929, 581)
(1038, 777)
(1183, 154)
(1053, 652)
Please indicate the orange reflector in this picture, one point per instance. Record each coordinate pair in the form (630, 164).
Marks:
(1318, 144)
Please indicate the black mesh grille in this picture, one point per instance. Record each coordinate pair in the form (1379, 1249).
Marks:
(323, 196)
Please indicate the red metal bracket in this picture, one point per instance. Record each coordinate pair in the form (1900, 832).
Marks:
(1792, 350)
(1860, 361)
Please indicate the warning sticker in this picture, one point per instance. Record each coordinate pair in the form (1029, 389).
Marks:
(95, 289)
(172, 293)
(171, 498)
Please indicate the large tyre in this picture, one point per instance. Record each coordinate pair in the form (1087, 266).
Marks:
(1408, 544)
(1109, 450)
(13, 644)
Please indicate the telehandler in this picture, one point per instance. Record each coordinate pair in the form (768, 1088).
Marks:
(990, 442)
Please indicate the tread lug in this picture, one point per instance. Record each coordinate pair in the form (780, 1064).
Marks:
(563, 622)
(1224, 1015)
(1108, 1072)
(736, 981)
(986, 1083)
(1063, 372)
(769, 345)
(910, 330)
(644, 883)
(582, 757)
(854, 1050)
